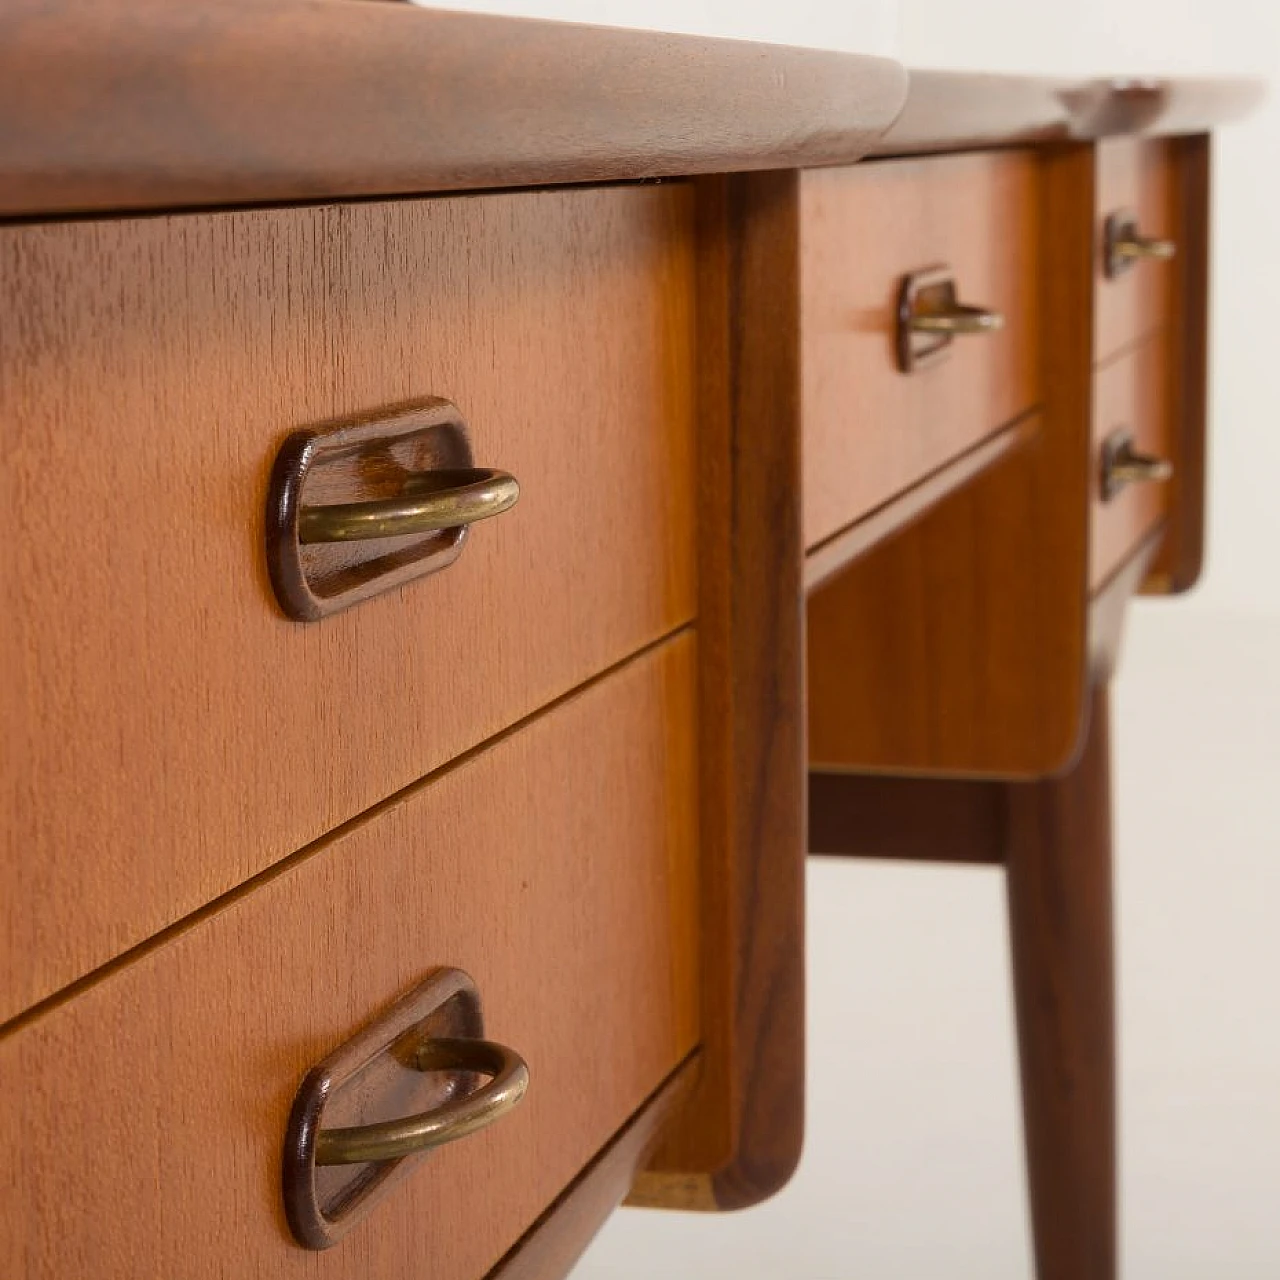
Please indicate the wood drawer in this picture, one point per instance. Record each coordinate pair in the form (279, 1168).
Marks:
(557, 867)
(169, 732)
(1139, 178)
(871, 431)
(1130, 396)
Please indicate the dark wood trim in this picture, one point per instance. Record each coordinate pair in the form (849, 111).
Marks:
(955, 110)
(1054, 837)
(923, 819)
(1177, 568)
(548, 1250)
(835, 553)
(1060, 918)
(742, 1132)
(111, 104)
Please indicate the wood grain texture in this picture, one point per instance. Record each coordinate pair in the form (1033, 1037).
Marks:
(169, 733)
(959, 645)
(920, 819)
(1131, 393)
(955, 110)
(1109, 605)
(1137, 175)
(871, 431)
(828, 558)
(550, 1248)
(557, 867)
(1180, 560)
(145, 103)
(1060, 923)
(739, 1139)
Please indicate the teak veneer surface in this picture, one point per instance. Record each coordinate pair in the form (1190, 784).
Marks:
(108, 104)
(168, 732)
(557, 867)
(828, 558)
(551, 1247)
(870, 430)
(958, 646)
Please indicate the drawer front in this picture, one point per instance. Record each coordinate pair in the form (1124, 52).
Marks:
(1130, 397)
(1134, 177)
(144, 1119)
(169, 732)
(870, 430)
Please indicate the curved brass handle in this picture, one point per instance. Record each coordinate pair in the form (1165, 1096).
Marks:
(1122, 465)
(957, 318)
(431, 501)
(1137, 246)
(393, 1139)
(1125, 244)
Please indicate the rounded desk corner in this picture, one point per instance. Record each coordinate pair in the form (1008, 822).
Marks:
(761, 1166)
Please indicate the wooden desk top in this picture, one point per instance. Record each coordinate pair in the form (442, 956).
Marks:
(144, 104)
(950, 110)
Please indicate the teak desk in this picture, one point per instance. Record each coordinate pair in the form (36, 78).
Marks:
(376, 881)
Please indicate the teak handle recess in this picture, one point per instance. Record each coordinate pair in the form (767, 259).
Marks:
(359, 508)
(419, 1056)
(930, 315)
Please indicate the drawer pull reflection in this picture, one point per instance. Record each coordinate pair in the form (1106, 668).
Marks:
(1122, 465)
(381, 1102)
(1124, 244)
(359, 508)
(431, 501)
(930, 315)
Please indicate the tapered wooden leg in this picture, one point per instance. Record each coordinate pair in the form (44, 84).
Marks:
(1059, 879)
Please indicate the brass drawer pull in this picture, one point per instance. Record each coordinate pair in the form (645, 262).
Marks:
(359, 508)
(930, 315)
(393, 1139)
(1124, 244)
(1122, 465)
(417, 1061)
(958, 318)
(432, 501)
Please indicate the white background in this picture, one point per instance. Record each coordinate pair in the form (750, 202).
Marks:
(913, 1163)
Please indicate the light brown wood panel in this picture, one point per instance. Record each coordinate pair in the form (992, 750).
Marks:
(168, 732)
(143, 1120)
(871, 431)
(1138, 175)
(958, 646)
(1131, 393)
(827, 559)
